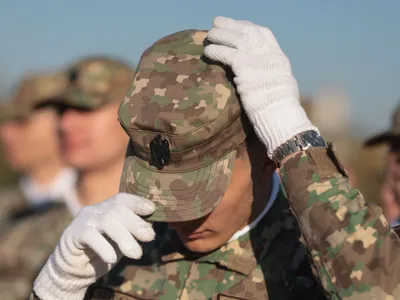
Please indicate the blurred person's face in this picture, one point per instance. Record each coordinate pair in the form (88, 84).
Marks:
(244, 199)
(393, 161)
(391, 185)
(92, 139)
(394, 148)
(30, 142)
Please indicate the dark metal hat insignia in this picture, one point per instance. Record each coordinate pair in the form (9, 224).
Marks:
(160, 155)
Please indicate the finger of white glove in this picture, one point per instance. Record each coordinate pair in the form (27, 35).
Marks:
(247, 43)
(256, 36)
(221, 54)
(253, 66)
(246, 22)
(96, 241)
(226, 37)
(121, 236)
(139, 228)
(266, 32)
(270, 85)
(139, 205)
(229, 23)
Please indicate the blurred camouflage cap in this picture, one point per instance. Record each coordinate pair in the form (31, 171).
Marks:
(388, 135)
(33, 91)
(96, 81)
(185, 123)
(6, 112)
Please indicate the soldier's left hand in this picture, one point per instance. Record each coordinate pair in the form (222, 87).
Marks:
(94, 243)
(264, 79)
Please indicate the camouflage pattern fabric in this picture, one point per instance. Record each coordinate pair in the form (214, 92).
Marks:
(192, 104)
(32, 92)
(7, 111)
(353, 247)
(11, 201)
(27, 240)
(356, 253)
(267, 263)
(97, 81)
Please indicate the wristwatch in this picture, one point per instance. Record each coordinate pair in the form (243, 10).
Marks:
(300, 142)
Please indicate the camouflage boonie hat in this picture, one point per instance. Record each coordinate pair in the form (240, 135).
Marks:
(32, 92)
(388, 135)
(97, 81)
(185, 123)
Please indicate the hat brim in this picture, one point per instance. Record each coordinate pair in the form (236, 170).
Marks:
(178, 196)
(80, 100)
(381, 138)
(9, 112)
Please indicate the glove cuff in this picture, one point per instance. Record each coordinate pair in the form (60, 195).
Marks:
(279, 122)
(48, 285)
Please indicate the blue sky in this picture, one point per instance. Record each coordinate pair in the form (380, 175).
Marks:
(353, 44)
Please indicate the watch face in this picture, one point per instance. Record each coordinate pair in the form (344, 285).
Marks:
(320, 142)
(312, 138)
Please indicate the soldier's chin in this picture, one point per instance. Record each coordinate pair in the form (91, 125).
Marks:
(19, 164)
(202, 242)
(81, 162)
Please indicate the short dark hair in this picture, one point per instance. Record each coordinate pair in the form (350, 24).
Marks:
(250, 141)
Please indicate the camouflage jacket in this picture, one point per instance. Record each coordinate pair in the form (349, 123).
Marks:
(354, 250)
(269, 262)
(27, 239)
(356, 253)
(11, 200)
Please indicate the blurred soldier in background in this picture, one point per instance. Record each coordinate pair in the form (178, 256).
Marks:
(92, 139)
(33, 215)
(94, 143)
(390, 190)
(28, 135)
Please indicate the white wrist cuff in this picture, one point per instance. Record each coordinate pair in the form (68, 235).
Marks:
(278, 123)
(48, 287)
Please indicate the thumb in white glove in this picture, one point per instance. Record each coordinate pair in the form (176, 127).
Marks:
(264, 79)
(85, 253)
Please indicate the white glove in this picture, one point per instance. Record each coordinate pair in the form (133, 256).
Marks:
(84, 252)
(264, 79)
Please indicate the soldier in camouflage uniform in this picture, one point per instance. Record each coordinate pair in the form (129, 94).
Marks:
(28, 135)
(92, 97)
(91, 136)
(187, 156)
(390, 190)
(33, 215)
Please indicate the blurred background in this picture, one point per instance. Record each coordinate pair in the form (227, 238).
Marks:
(345, 55)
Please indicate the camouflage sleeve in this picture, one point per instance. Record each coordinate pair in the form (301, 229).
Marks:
(356, 253)
(11, 200)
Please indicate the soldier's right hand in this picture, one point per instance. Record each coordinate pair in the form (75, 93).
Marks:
(93, 243)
